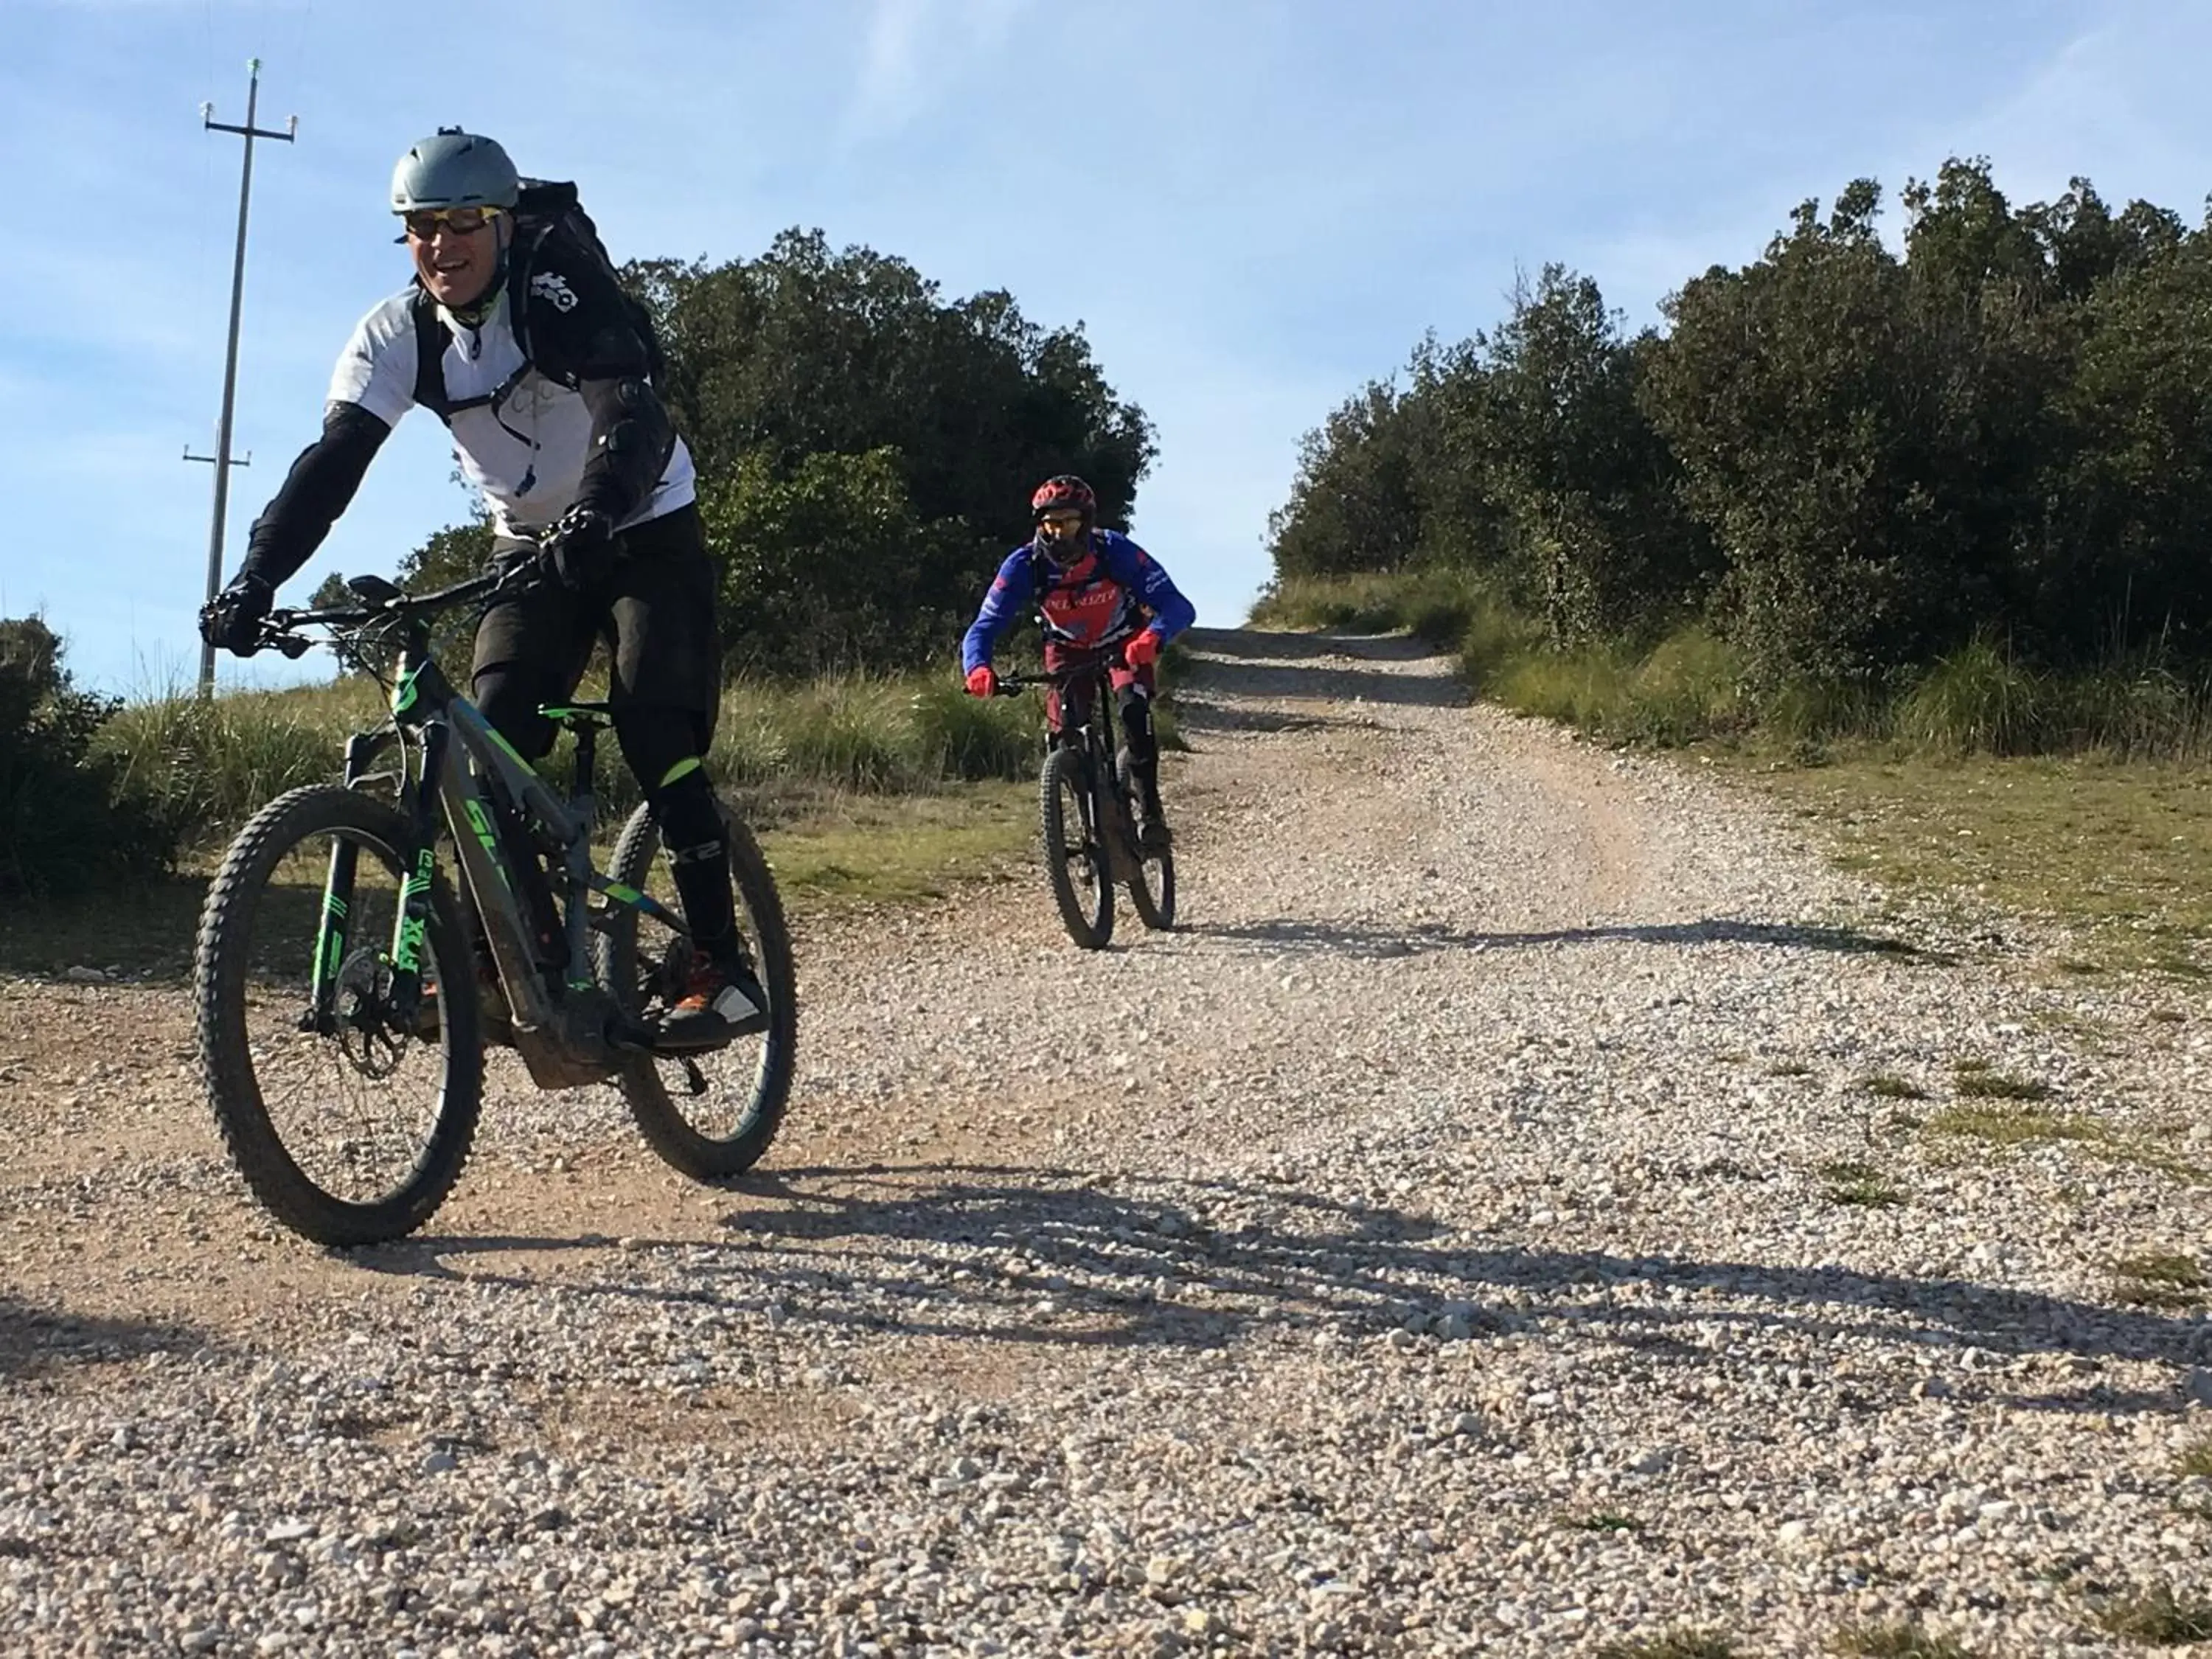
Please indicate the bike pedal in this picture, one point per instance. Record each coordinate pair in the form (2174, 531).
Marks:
(676, 1050)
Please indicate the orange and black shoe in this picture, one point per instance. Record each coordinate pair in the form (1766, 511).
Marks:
(723, 1000)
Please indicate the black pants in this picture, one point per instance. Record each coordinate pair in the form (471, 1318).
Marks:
(655, 609)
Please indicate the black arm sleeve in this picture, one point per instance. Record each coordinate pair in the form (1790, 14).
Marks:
(319, 488)
(632, 439)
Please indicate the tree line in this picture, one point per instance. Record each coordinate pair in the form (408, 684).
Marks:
(1847, 458)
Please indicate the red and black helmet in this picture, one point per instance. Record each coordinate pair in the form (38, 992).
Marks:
(1061, 492)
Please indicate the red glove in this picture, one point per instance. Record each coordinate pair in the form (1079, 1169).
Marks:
(982, 682)
(1143, 649)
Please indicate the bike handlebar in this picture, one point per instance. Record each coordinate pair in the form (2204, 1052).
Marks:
(277, 628)
(1010, 686)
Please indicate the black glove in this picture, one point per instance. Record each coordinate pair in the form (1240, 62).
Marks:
(579, 551)
(232, 619)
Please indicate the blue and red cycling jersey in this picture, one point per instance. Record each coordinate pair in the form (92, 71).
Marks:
(1100, 599)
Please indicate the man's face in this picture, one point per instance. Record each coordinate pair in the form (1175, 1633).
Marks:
(1060, 536)
(457, 251)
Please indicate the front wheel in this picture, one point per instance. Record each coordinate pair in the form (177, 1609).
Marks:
(714, 1118)
(350, 1123)
(1075, 862)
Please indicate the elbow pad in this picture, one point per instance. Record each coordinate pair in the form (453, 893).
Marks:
(632, 439)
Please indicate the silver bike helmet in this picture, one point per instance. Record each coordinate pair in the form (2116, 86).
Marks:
(454, 169)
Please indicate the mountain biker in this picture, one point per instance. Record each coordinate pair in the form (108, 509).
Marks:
(1099, 598)
(515, 332)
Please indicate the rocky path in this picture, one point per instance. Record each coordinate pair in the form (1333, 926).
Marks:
(1473, 1230)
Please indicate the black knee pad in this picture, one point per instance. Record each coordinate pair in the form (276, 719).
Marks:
(666, 750)
(691, 819)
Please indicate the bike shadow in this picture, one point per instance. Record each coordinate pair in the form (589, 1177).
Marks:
(1056, 1258)
(1355, 939)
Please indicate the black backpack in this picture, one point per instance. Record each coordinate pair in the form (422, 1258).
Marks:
(546, 209)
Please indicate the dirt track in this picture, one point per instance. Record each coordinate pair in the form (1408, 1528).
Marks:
(1442, 1242)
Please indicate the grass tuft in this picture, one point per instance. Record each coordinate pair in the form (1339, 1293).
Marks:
(2160, 1618)
(1978, 700)
(2156, 1280)
(1975, 1083)
(1851, 1182)
(2015, 1125)
(1887, 1087)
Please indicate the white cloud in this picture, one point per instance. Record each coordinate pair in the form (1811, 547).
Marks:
(915, 53)
(2122, 104)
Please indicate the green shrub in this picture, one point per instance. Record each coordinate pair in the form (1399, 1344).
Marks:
(66, 820)
(1975, 701)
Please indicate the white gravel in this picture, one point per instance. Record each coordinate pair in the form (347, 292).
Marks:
(1434, 1247)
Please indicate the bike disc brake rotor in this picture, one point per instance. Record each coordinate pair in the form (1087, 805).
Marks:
(365, 1032)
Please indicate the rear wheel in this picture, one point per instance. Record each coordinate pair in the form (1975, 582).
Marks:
(348, 1124)
(721, 1128)
(1152, 887)
(1074, 847)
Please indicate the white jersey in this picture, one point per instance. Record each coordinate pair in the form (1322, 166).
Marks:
(525, 452)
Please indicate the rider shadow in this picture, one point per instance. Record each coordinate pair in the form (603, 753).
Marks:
(34, 1339)
(1050, 1258)
(1353, 939)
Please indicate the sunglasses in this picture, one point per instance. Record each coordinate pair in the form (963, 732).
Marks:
(1061, 524)
(461, 220)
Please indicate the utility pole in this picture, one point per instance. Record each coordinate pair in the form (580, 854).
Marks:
(220, 458)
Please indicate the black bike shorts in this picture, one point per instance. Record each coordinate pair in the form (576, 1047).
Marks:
(655, 609)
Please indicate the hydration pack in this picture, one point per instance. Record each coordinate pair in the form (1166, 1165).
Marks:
(546, 212)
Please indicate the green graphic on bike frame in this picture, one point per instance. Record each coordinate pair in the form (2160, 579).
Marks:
(407, 953)
(402, 694)
(488, 838)
(330, 938)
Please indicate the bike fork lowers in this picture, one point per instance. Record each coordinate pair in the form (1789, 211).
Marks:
(412, 925)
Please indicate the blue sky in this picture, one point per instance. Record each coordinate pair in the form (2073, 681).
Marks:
(1251, 206)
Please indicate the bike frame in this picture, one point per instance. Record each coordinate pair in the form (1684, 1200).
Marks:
(474, 781)
(1094, 738)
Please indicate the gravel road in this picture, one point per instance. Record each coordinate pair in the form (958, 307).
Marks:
(1472, 1231)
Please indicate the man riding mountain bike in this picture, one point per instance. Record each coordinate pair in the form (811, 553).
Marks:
(516, 333)
(1100, 599)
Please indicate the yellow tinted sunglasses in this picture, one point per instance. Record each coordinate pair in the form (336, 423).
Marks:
(461, 220)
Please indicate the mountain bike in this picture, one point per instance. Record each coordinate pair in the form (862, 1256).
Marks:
(343, 979)
(1086, 807)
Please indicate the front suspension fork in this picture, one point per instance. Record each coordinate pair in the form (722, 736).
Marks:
(411, 927)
